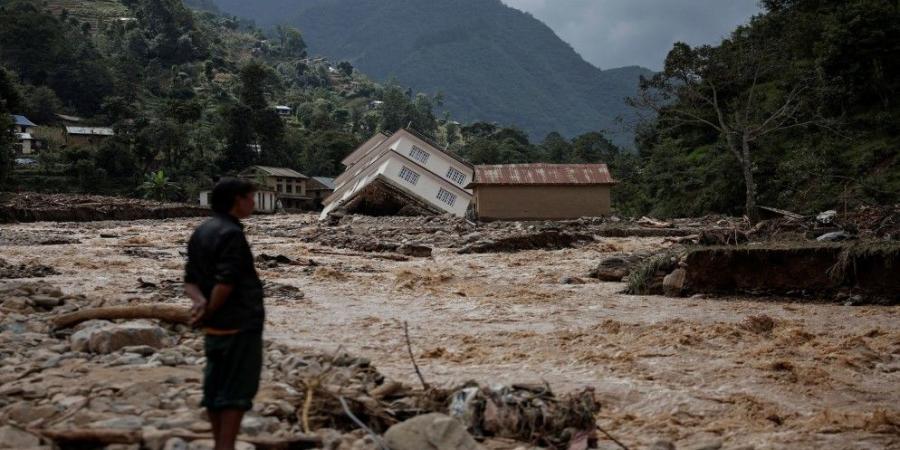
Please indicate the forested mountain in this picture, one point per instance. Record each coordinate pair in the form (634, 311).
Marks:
(190, 94)
(491, 62)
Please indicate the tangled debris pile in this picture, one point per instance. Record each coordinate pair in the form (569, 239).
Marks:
(139, 383)
(8, 270)
(37, 207)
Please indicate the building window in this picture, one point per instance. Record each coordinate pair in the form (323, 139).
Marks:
(446, 197)
(456, 176)
(290, 188)
(279, 188)
(407, 174)
(419, 155)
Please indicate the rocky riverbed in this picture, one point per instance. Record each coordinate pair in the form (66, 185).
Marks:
(485, 303)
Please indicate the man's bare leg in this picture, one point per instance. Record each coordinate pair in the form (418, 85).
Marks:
(215, 421)
(229, 427)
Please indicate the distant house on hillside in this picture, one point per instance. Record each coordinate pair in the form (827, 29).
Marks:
(283, 111)
(83, 136)
(22, 130)
(401, 173)
(541, 191)
(288, 184)
(21, 124)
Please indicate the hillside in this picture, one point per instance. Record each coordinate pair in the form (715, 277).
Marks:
(491, 62)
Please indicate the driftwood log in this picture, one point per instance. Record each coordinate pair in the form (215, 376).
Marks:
(166, 313)
(105, 436)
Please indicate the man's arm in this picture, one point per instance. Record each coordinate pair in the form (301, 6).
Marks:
(218, 296)
(199, 302)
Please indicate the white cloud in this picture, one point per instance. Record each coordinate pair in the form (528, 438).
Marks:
(615, 33)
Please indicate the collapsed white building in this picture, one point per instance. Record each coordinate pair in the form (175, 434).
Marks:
(401, 173)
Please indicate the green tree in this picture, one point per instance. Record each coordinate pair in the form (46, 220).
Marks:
(157, 186)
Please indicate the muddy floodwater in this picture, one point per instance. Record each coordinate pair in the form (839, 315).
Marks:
(686, 370)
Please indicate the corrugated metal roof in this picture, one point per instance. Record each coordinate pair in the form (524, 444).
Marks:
(280, 172)
(542, 174)
(23, 121)
(325, 181)
(93, 131)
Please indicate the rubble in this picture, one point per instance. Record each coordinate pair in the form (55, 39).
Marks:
(8, 270)
(615, 268)
(542, 240)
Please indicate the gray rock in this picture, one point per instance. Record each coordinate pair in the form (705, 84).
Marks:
(430, 432)
(124, 422)
(45, 301)
(108, 338)
(11, 437)
(834, 236)
(662, 445)
(673, 283)
(415, 250)
(208, 444)
(176, 444)
(143, 350)
(614, 268)
(711, 445)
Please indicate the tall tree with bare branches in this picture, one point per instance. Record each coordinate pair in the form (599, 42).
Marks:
(736, 90)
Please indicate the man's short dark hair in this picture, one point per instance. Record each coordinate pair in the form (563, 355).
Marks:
(226, 193)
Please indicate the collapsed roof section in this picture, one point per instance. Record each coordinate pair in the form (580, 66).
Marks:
(401, 173)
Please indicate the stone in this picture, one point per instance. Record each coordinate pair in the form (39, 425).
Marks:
(45, 301)
(112, 337)
(175, 444)
(673, 283)
(430, 432)
(662, 445)
(415, 250)
(570, 280)
(124, 422)
(711, 445)
(12, 437)
(143, 350)
(834, 236)
(208, 444)
(614, 268)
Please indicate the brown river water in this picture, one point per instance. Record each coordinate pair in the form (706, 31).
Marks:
(686, 370)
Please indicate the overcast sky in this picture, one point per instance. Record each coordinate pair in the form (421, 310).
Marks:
(616, 33)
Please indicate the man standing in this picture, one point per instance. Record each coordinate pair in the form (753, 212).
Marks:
(221, 280)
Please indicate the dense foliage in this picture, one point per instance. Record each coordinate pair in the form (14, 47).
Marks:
(491, 62)
(190, 94)
(808, 96)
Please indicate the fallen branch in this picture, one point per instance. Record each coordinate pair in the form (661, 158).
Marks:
(360, 424)
(413, 358)
(166, 313)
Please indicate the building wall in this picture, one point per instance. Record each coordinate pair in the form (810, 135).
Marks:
(80, 140)
(389, 167)
(524, 202)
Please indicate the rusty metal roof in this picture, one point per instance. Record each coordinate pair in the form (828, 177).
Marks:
(542, 174)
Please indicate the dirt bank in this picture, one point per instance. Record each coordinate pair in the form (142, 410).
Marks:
(36, 207)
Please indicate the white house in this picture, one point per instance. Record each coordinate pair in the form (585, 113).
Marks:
(283, 111)
(398, 172)
(22, 129)
(266, 200)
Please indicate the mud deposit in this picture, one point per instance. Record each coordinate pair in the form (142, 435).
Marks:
(701, 373)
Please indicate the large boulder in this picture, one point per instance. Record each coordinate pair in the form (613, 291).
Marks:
(614, 268)
(430, 432)
(673, 283)
(108, 337)
(12, 437)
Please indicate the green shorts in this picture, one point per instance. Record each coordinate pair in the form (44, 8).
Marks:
(233, 366)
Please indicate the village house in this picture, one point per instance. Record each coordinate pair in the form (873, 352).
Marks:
(266, 200)
(541, 191)
(23, 132)
(283, 111)
(77, 136)
(319, 188)
(401, 173)
(288, 184)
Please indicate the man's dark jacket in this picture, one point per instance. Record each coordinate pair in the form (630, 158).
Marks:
(218, 252)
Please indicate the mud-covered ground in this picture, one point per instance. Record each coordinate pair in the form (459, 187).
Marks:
(693, 371)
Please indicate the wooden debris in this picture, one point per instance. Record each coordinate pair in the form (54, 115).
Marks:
(166, 313)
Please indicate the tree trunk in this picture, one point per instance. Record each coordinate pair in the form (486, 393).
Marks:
(747, 168)
(166, 313)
